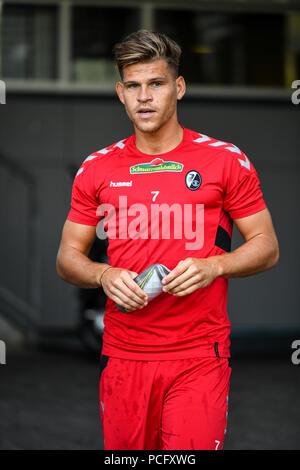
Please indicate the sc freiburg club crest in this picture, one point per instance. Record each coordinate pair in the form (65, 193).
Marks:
(193, 180)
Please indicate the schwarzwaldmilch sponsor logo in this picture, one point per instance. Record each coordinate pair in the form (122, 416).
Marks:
(155, 166)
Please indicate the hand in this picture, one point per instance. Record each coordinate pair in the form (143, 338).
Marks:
(119, 286)
(191, 274)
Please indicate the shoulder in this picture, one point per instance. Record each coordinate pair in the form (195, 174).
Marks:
(229, 153)
(103, 156)
(214, 144)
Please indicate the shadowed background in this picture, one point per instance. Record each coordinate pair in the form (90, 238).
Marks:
(240, 60)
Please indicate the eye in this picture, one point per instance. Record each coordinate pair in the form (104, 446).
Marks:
(132, 85)
(156, 84)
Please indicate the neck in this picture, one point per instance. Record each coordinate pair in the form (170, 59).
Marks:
(161, 141)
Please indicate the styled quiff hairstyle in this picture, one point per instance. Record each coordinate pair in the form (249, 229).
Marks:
(147, 46)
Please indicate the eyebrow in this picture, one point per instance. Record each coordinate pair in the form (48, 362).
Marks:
(155, 79)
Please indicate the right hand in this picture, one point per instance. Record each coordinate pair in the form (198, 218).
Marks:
(119, 286)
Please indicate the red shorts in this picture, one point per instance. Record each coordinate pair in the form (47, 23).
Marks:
(164, 405)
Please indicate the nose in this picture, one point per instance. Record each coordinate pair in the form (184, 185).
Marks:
(144, 94)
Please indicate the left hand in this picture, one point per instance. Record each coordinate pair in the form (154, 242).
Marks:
(191, 274)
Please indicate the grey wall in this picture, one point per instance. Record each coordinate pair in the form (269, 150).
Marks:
(49, 135)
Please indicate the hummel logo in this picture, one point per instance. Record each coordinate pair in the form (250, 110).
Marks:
(120, 183)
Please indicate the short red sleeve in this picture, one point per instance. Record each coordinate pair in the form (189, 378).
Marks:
(243, 195)
(84, 201)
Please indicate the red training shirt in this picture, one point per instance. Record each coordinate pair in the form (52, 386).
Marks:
(163, 209)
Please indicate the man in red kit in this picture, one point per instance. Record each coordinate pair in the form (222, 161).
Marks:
(165, 195)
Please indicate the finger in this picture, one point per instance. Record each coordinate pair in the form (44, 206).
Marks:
(185, 285)
(133, 293)
(120, 302)
(139, 294)
(129, 293)
(189, 273)
(126, 299)
(189, 290)
(181, 267)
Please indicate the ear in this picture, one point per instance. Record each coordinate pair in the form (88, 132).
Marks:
(181, 87)
(119, 90)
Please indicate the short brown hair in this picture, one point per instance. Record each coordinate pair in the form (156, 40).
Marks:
(146, 46)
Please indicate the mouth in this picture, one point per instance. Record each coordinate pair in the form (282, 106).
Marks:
(146, 113)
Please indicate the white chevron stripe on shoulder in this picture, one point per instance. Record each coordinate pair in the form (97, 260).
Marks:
(234, 149)
(104, 151)
(218, 143)
(231, 147)
(120, 144)
(245, 163)
(202, 138)
(90, 157)
(79, 171)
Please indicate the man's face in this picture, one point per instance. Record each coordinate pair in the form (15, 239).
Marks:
(149, 92)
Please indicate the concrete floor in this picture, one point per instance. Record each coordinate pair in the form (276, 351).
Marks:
(49, 400)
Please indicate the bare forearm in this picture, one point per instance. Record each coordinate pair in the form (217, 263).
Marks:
(76, 268)
(256, 255)
(259, 253)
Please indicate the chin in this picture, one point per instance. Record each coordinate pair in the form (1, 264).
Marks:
(147, 127)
